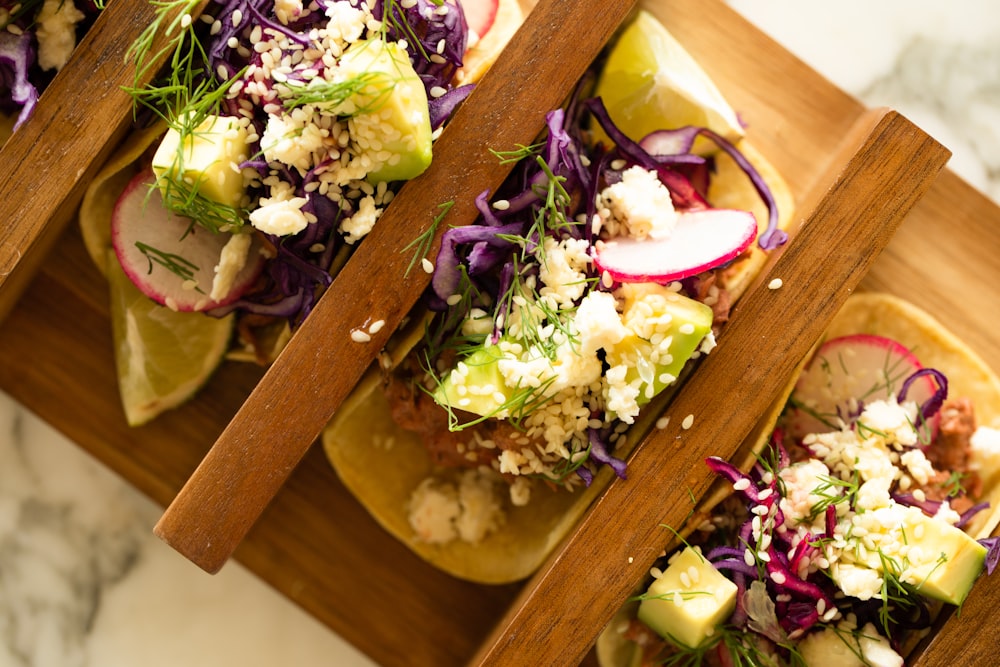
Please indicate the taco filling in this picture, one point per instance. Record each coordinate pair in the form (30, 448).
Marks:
(869, 508)
(555, 327)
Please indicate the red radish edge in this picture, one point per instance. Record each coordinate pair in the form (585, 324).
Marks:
(701, 240)
(479, 15)
(863, 367)
(139, 216)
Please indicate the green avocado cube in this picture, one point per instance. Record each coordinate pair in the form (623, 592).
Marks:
(656, 359)
(205, 159)
(950, 559)
(689, 601)
(393, 116)
(476, 385)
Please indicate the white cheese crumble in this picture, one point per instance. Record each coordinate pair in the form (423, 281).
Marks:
(638, 206)
(442, 511)
(231, 261)
(56, 33)
(280, 217)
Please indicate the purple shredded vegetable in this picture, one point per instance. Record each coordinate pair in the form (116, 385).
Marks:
(931, 406)
(17, 53)
(992, 545)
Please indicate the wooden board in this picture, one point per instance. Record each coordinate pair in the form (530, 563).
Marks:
(314, 543)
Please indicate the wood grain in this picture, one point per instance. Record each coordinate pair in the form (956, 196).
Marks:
(285, 413)
(886, 163)
(314, 543)
(79, 119)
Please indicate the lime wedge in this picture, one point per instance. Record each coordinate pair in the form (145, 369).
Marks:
(650, 83)
(163, 357)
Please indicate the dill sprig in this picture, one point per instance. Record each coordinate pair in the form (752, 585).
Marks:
(176, 264)
(422, 244)
(520, 153)
(172, 19)
(834, 491)
(373, 88)
(896, 595)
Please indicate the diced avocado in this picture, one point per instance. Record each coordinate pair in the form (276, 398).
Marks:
(688, 601)
(940, 561)
(951, 559)
(651, 307)
(208, 161)
(476, 385)
(394, 102)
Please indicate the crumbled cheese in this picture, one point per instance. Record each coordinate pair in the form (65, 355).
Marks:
(231, 262)
(599, 323)
(563, 273)
(638, 206)
(56, 33)
(281, 217)
(361, 222)
(442, 511)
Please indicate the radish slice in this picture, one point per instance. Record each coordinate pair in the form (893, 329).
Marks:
(479, 16)
(139, 217)
(701, 240)
(845, 374)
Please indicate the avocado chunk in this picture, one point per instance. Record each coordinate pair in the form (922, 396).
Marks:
(688, 601)
(666, 329)
(393, 121)
(949, 561)
(476, 384)
(939, 560)
(207, 162)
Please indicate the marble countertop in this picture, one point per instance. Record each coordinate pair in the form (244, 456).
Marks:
(84, 583)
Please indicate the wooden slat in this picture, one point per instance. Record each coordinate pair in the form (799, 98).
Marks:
(296, 398)
(79, 120)
(852, 214)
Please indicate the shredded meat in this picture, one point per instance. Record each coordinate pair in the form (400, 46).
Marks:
(414, 410)
(721, 305)
(950, 452)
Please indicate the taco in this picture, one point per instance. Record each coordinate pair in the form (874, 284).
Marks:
(869, 510)
(554, 331)
(268, 150)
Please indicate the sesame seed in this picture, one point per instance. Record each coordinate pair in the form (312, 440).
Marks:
(778, 578)
(741, 484)
(662, 422)
(688, 422)
(454, 299)
(376, 326)
(775, 284)
(237, 18)
(186, 21)
(618, 165)
(437, 91)
(427, 265)
(359, 336)
(501, 205)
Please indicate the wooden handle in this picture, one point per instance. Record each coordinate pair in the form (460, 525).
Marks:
(296, 398)
(598, 567)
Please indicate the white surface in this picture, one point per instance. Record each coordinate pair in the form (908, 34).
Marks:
(83, 583)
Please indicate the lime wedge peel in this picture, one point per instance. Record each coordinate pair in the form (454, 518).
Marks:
(162, 357)
(650, 82)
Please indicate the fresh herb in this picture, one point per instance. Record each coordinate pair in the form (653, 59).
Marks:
(834, 491)
(374, 88)
(522, 152)
(176, 264)
(422, 243)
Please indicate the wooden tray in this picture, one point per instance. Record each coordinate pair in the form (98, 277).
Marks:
(314, 543)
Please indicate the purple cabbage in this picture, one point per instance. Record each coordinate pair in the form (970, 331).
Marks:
(17, 54)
